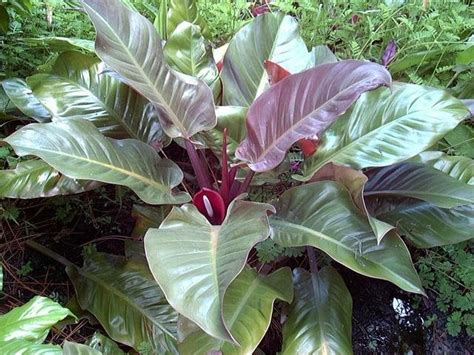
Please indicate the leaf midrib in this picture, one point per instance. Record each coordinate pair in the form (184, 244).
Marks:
(161, 99)
(327, 238)
(141, 178)
(123, 297)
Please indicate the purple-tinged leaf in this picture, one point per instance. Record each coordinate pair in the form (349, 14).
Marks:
(302, 106)
(129, 44)
(389, 53)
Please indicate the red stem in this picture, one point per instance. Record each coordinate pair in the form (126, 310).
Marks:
(202, 174)
(225, 186)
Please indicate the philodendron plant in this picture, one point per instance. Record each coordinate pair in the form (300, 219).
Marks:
(367, 184)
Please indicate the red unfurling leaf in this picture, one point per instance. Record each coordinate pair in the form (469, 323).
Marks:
(275, 71)
(308, 146)
(260, 10)
(211, 205)
(220, 64)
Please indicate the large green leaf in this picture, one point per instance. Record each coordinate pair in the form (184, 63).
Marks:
(460, 168)
(320, 317)
(24, 347)
(78, 88)
(32, 321)
(126, 300)
(188, 52)
(35, 178)
(355, 182)
(421, 182)
(61, 44)
(21, 95)
(184, 10)
(322, 215)
(386, 127)
(272, 36)
(129, 44)
(194, 262)
(78, 150)
(426, 225)
(248, 306)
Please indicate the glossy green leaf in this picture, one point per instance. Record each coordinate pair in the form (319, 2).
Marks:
(421, 182)
(104, 344)
(320, 317)
(61, 44)
(426, 225)
(460, 168)
(24, 347)
(355, 182)
(35, 178)
(22, 96)
(78, 150)
(248, 307)
(78, 88)
(188, 52)
(385, 127)
(184, 10)
(126, 300)
(129, 44)
(272, 36)
(32, 321)
(70, 348)
(322, 215)
(194, 262)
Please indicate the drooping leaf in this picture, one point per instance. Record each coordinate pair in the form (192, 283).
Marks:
(231, 118)
(104, 344)
(426, 225)
(460, 168)
(32, 321)
(272, 36)
(78, 88)
(248, 306)
(355, 182)
(78, 150)
(385, 127)
(129, 44)
(184, 10)
(61, 44)
(35, 178)
(320, 317)
(188, 52)
(303, 105)
(194, 262)
(322, 215)
(20, 347)
(421, 182)
(21, 95)
(71, 348)
(126, 300)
